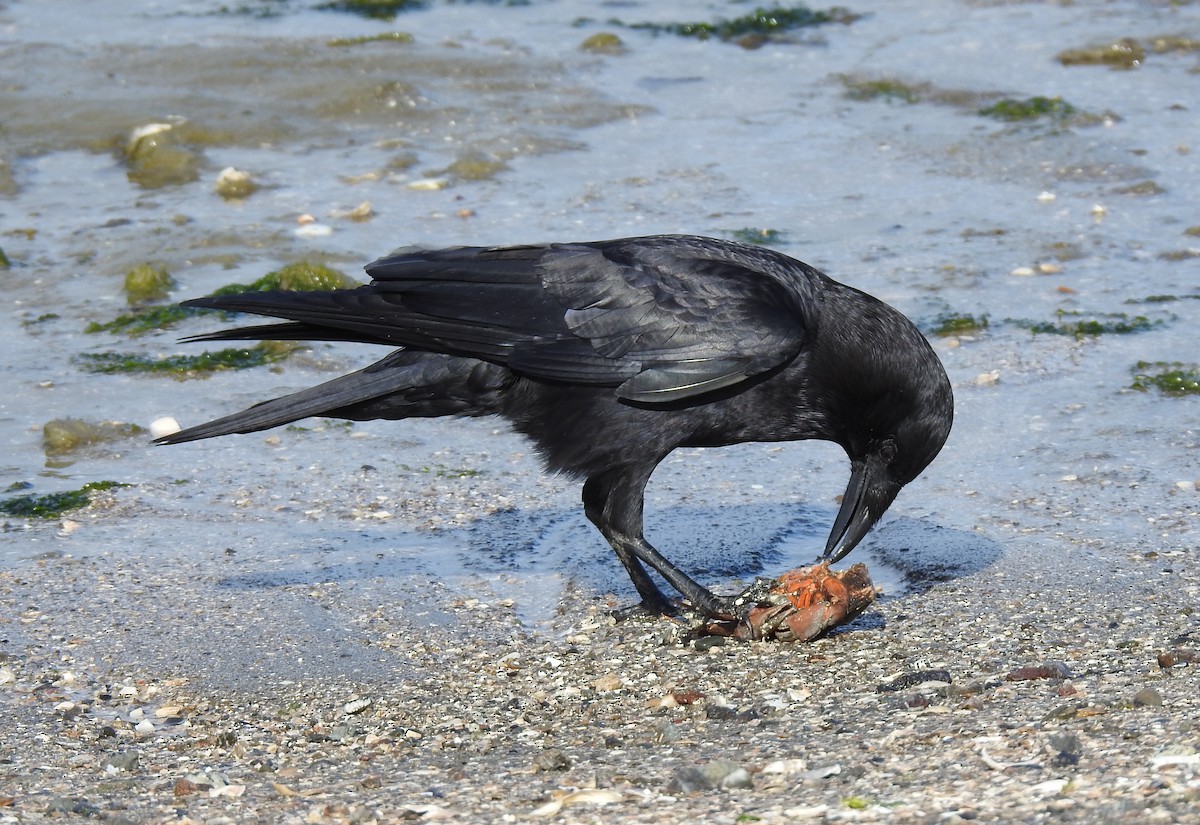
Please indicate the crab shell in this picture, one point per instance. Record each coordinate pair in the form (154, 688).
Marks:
(807, 602)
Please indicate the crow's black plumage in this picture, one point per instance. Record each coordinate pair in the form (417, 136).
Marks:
(610, 354)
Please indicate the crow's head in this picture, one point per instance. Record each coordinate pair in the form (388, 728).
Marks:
(887, 401)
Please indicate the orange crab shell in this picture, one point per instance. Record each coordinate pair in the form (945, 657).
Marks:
(818, 600)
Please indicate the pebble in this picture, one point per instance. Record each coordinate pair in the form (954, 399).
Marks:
(551, 759)
(916, 678)
(720, 773)
(313, 230)
(1175, 755)
(1147, 697)
(144, 727)
(1047, 670)
(607, 682)
(127, 761)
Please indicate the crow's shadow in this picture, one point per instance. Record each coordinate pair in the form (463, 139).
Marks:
(537, 554)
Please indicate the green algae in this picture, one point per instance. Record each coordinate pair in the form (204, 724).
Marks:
(149, 319)
(1168, 377)
(1141, 189)
(761, 21)
(473, 166)
(4, 262)
(374, 9)
(294, 277)
(1179, 255)
(758, 237)
(882, 89)
(1125, 53)
(1081, 325)
(1011, 110)
(185, 366)
(386, 37)
(54, 505)
(65, 435)
(948, 325)
(603, 43)
(146, 282)
(300, 276)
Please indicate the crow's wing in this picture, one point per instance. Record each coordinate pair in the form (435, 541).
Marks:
(663, 318)
(694, 314)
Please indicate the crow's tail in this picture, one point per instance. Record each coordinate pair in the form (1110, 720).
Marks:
(405, 384)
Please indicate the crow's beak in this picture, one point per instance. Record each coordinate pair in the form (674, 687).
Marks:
(868, 494)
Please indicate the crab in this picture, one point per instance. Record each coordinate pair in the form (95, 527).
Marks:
(799, 606)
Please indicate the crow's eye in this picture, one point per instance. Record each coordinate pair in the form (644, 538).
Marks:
(887, 450)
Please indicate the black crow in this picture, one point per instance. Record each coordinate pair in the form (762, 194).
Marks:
(610, 354)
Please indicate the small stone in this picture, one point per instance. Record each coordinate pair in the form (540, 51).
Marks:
(551, 759)
(144, 727)
(720, 773)
(234, 184)
(1147, 697)
(127, 761)
(65, 805)
(357, 705)
(607, 682)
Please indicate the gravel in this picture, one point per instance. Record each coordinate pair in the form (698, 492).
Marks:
(910, 714)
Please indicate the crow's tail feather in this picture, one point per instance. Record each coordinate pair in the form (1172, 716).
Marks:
(405, 384)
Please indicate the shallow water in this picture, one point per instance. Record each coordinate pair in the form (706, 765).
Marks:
(927, 205)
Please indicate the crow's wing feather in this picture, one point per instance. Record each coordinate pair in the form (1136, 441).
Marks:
(664, 319)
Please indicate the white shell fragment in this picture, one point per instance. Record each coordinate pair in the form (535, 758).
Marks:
(164, 426)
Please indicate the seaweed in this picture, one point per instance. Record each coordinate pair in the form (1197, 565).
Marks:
(185, 366)
(948, 325)
(1125, 53)
(53, 505)
(1031, 108)
(757, 237)
(1080, 325)
(1168, 377)
(761, 21)
(386, 37)
(374, 9)
(147, 320)
(295, 277)
(885, 88)
(146, 282)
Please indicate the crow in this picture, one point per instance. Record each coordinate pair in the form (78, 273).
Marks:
(610, 354)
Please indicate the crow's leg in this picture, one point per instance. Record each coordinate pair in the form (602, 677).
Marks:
(595, 500)
(613, 501)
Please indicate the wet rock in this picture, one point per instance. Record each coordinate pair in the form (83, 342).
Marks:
(156, 159)
(147, 282)
(720, 773)
(235, 184)
(64, 435)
